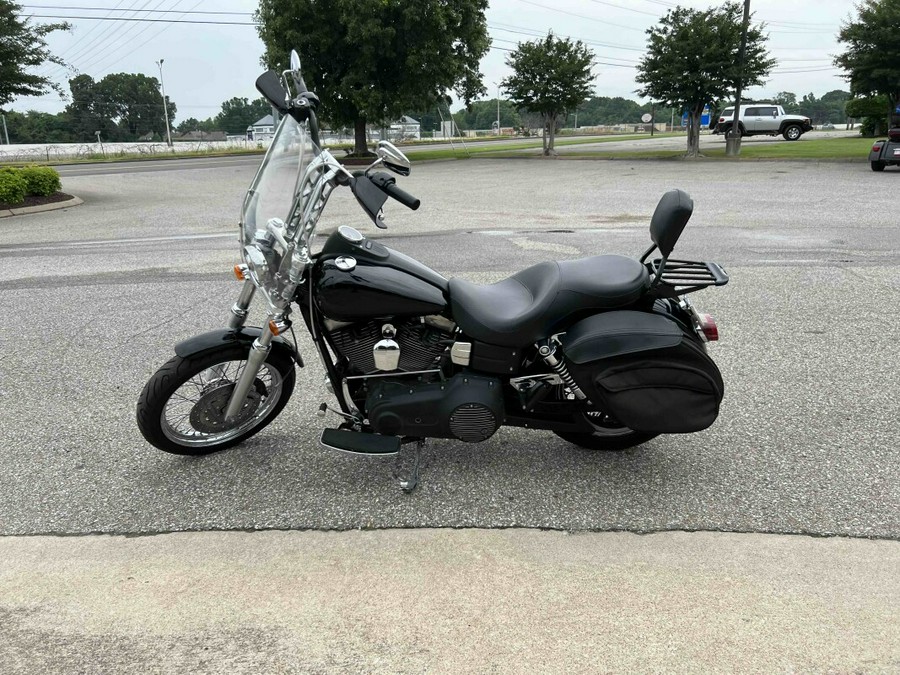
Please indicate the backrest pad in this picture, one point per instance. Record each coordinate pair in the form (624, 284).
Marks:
(672, 214)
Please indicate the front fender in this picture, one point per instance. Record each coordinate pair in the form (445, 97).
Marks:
(224, 336)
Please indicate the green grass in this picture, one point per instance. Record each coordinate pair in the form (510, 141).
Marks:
(837, 149)
(95, 158)
(534, 144)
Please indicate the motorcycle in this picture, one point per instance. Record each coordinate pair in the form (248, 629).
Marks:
(607, 352)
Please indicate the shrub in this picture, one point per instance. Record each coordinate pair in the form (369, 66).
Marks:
(13, 187)
(41, 180)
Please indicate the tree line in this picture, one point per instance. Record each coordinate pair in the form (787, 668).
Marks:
(371, 62)
(124, 107)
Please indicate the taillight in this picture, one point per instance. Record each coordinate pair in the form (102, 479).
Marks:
(709, 327)
(876, 147)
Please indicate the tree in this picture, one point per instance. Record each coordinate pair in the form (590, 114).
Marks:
(550, 77)
(788, 101)
(871, 110)
(239, 113)
(121, 106)
(872, 59)
(692, 61)
(22, 47)
(372, 61)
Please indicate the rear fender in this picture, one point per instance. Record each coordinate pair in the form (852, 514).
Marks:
(217, 339)
(876, 155)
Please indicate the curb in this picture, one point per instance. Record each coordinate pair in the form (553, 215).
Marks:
(6, 213)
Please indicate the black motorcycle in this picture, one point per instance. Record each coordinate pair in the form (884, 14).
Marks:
(607, 352)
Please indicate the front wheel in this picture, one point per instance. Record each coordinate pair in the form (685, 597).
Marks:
(792, 132)
(182, 407)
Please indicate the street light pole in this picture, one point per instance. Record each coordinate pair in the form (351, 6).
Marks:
(162, 88)
(498, 109)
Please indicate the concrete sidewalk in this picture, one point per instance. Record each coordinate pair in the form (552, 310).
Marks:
(448, 601)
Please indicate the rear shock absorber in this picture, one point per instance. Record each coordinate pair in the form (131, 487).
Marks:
(547, 350)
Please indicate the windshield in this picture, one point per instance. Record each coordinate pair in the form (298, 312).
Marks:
(272, 192)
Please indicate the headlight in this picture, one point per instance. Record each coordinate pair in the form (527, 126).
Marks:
(256, 261)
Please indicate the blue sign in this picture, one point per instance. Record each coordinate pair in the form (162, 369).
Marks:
(704, 118)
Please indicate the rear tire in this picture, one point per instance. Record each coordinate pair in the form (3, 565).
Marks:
(878, 166)
(610, 435)
(180, 409)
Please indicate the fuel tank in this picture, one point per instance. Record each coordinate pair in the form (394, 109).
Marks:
(357, 278)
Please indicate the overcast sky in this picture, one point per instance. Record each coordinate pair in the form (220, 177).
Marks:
(207, 64)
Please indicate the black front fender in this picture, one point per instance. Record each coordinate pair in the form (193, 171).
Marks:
(216, 339)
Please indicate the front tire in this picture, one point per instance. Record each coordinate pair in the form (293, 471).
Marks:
(181, 408)
(792, 132)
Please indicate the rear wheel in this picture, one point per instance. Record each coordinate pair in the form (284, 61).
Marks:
(182, 407)
(878, 166)
(609, 434)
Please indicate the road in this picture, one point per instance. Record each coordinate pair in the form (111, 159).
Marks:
(96, 297)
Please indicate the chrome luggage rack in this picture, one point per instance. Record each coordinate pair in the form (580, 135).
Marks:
(686, 276)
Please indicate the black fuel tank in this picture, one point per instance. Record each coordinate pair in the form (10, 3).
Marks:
(377, 282)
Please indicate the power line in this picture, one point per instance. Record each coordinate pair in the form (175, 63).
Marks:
(116, 18)
(114, 9)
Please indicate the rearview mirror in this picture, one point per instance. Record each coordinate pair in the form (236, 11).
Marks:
(269, 85)
(392, 158)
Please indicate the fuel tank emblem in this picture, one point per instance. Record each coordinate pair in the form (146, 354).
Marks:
(345, 263)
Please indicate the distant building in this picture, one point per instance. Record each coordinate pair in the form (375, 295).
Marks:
(406, 128)
(262, 129)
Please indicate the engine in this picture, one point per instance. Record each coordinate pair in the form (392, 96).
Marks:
(422, 342)
(466, 407)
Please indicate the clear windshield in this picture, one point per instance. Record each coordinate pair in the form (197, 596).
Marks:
(272, 192)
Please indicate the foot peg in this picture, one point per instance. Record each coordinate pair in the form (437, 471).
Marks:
(359, 443)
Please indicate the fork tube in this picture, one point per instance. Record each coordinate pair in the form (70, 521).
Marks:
(239, 309)
(259, 350)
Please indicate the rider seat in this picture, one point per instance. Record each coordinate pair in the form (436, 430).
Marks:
(527, 306)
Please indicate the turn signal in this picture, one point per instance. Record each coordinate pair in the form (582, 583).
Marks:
(240, 272)
(709, 327)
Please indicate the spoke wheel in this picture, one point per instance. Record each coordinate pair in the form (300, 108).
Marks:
(609, 434)
(182, 407)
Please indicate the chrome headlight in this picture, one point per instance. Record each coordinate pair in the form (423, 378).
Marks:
(258, 264)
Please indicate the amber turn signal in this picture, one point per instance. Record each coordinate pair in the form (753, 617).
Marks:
(239, 272)
(273, 327)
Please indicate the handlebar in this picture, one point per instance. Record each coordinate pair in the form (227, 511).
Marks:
(388, 185)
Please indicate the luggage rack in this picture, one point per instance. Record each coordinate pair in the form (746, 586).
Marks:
(686, 276)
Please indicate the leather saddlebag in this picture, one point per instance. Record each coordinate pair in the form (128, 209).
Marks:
(645, 371)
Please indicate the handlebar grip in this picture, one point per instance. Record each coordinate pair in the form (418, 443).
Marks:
(388, 185)
(403, 197)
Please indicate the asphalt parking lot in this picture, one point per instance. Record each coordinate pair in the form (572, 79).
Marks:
(460, 576)
(95, 297)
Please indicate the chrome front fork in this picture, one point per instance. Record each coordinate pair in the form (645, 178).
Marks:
(258, 351)
(241, 308)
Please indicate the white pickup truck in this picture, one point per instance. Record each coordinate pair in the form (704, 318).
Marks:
(764, 119)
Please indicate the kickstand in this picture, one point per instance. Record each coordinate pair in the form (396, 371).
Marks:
(409, 479)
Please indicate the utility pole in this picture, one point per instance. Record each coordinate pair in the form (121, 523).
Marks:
(733, 139)
(498, 109)
(162, 89)
(5, 132)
